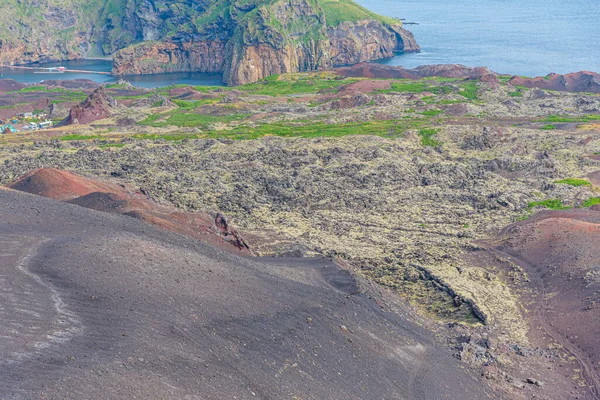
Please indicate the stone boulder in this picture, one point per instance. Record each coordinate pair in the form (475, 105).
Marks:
(98, 105)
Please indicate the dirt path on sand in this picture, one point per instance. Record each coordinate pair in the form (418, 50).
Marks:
(540, 319)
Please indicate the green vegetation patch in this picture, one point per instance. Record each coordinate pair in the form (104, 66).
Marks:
(562, 118)
(432, 113)
(592, 201)
(186, 105)
(407, 86)
(167, 137)
(516, 93)
(553, 204)
(182, 118)
(469, 90)
(37, 88)
(377, 128)
(574, 182)
(79, 137)
(286, 85)
(548, 127)
(427, 137)
(338, 11)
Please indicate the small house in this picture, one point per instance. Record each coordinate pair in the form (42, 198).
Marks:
(8, 129)
(28, 115)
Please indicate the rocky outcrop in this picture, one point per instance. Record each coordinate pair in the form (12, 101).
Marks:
(370, 70)
(155, 100)
(156, 57)
(583, 81)
(355, 42)
(10, 85)
(98, 105)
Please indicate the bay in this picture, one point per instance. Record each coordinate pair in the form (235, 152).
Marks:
(147, 81)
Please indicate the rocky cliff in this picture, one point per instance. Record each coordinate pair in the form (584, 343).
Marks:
(247, 40)
(275, 37)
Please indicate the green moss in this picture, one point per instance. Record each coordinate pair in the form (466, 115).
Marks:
(379, 128)
(79, 137)
(469, 90)
(182, 118)
(561, 118)
(432, 112)
(427, 137)
(292, 84)
(186, 105)
(574, 182)
(548, 127)
(407, 86)
(111, 145)
(592, 201)
(166, 137)
(553, 204)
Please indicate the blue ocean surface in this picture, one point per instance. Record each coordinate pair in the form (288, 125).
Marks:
(147, 81)
(517, 37)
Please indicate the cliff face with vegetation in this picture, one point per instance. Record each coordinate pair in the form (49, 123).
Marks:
(248, 41)
(245, 39)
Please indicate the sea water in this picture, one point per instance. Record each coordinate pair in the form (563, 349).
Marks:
(517, 37)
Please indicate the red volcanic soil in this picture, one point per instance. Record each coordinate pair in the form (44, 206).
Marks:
(594, 177)
(107, 197)
(72, 83)
(363, 86)
(189, 93)
(58, 185)
(373, 70)
(10, 85)
(560, 252)
(583, 81)
(97, 106)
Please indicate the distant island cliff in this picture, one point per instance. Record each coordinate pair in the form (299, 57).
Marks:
(246, 40)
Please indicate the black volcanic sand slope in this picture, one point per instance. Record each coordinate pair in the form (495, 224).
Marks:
(102, 306)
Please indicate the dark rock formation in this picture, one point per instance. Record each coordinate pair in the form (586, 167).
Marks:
(72, 83)
(155, 57)
(583, 81)
(372, 70)
(355, 42)
(155, 100)
(97, 106)
(10, 85)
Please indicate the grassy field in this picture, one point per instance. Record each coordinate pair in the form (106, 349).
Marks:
(337, 11)
(574, 182)
(295, 84)
(553, 204)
